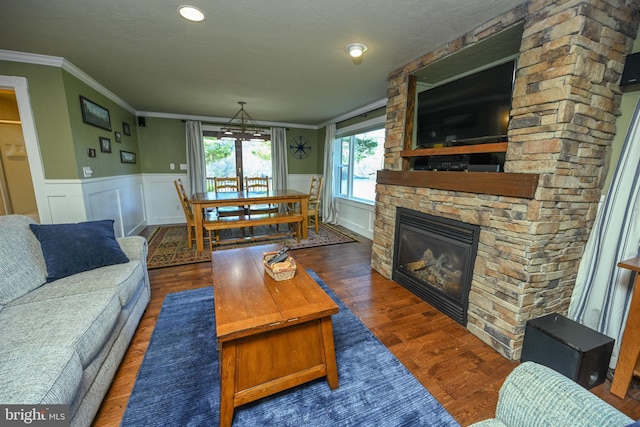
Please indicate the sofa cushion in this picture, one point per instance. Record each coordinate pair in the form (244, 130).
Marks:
(72, 248)
(120, 279)
(22, 268)
(81, 322)
(39, 374)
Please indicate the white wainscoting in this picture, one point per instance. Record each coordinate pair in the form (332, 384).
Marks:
(161, 198)
(135, 201)
(299, 182)
(120, 198)
(355, 216)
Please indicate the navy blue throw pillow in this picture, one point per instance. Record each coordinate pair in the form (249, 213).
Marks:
(72, 248)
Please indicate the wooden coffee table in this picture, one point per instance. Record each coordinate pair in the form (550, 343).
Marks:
(271, 335)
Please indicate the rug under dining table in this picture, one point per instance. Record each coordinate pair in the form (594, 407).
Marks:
(168, 244)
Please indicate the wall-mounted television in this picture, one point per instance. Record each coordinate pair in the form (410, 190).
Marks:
(471, 110)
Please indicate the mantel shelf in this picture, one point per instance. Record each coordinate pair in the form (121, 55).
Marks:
(497, 147)
(497, 183)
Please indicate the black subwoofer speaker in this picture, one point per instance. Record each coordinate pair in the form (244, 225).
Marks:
(574, 350)
(631, 73)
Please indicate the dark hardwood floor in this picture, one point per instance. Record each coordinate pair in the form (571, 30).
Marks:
(459, 370)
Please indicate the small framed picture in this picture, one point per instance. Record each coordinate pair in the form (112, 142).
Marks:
(127, 157)
(92, 152)
(105, 144)
(118, 136)
(126, 128)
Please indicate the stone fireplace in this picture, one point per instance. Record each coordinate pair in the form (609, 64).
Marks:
(535, 217)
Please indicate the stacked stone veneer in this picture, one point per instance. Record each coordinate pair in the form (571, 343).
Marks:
(565, 103)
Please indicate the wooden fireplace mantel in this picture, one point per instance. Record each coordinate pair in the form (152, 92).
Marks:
(522, 185)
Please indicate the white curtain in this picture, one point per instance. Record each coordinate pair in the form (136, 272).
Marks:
(603, 291)
(329, 213)
(196, 166)
(279, 166)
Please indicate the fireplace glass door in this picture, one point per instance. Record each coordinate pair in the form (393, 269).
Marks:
(433, 258)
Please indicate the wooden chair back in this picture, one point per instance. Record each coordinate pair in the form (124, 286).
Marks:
(257, 183)
(315, 189)
(210, 184)
(188, 213)
(315, 193)
(186, 207)
(226, 184)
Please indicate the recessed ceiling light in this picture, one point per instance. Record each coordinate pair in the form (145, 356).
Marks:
(191, 13)
(355, 49)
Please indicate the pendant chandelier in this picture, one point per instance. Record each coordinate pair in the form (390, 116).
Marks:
(242, 126)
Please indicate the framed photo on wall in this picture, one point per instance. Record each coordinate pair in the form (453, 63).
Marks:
(95, 115)
(105, 144)
(127, 157)
(126, 128)
(118, 136)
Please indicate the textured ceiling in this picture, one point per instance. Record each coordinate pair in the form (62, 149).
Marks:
(286, 59)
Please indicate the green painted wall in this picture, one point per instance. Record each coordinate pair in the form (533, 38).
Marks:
(87, 136)
(308, 165)
(49, 107)
(63, 138)
(162, 141)
(630, 98)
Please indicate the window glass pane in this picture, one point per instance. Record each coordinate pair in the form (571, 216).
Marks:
(220, 157)
(256, 158)
(344, 180)
(344, 150)
(368, 159)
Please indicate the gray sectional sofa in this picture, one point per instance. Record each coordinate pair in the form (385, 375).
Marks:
(63, 338)
(534, 395)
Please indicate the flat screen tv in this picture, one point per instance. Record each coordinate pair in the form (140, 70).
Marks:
(470, 110)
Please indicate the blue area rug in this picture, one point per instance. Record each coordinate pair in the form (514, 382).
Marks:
(179, 385)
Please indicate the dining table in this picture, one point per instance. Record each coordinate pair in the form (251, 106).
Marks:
(209, 200)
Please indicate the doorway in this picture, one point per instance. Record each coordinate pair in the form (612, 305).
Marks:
(236, 157)
(17, 194)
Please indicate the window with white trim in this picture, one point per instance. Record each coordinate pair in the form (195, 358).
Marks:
(358, 157)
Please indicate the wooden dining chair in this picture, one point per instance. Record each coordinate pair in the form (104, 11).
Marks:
(315, 192)
(313, 203)
(188, 213)
(259, 184)
(210, 184)
(228, 184)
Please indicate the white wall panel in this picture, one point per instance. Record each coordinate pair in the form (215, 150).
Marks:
(161, 199)
(357, 217)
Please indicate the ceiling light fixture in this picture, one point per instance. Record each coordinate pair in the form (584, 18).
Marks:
(191, 13)
(242, 127)
(356, 49)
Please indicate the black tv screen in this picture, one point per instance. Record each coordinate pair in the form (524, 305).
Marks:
(471, 110)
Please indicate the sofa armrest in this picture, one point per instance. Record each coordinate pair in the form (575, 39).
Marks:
(134, 247)
(535, 394)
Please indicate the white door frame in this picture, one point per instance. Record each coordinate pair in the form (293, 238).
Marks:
(21, 88)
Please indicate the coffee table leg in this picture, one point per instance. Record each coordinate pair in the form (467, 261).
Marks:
(329, 353)
(227, 386)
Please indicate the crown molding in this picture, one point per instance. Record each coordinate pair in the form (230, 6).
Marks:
(358, 111)
(221, 120)
(55, 61)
